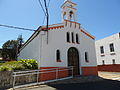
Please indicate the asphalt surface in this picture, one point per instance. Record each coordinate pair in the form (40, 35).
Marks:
(98, 85)
(78, 84)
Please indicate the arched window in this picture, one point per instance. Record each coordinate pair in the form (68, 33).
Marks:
(64, 15)
(72, 37)
(58, 55)
(86, 57)
(77, 38)
(68, 37)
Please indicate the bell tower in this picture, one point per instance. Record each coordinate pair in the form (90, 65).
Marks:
(68, 11)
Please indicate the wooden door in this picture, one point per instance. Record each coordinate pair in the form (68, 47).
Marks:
(73, 60)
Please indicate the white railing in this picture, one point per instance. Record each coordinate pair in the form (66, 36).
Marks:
(42, 71)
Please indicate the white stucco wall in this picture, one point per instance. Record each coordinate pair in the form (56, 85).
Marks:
(57, 40)
(115, 39)
(87, 45)
(46, 53)
(31, 50)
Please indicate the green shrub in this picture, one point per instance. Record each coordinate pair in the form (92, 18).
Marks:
(29, 63)
(19, 65)
(1, 64)
(11, 63)
(5, 68)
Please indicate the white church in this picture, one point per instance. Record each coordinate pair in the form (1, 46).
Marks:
(63, 45)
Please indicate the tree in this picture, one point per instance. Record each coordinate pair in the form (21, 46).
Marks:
(0, 53)
(9, 51)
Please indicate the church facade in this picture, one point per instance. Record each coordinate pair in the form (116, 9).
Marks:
(65, 44)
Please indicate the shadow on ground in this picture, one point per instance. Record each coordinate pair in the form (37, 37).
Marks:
(78, 83)
(98, 85)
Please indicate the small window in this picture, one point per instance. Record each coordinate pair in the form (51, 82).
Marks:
(68, 37)
(111, 47)
(86, 56)
(77, 38)
(103, 62)
(72, 37)
(58, 55)
(102, 49)
(113, 61)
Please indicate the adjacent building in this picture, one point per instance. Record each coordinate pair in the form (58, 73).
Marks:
(62, 45)
(108, 53)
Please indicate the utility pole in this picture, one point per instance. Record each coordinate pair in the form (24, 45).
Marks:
(47, 16)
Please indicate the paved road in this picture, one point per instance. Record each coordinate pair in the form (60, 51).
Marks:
(98, 85)
(79, 83)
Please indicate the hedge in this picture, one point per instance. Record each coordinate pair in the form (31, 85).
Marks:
(23, 64)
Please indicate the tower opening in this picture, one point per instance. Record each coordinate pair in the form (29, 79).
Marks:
(68, 11)
(71, 15)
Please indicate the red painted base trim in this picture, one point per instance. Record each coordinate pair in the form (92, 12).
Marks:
(61, 74)
(109, 68)
(88, 34)
(89, 71)
(52, 74)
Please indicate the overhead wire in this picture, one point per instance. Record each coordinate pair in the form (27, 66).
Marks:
(21, 28)
(42, 7)
(45, 16)
(14, 27)
(48, 3)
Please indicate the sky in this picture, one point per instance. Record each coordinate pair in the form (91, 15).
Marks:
(99, 17)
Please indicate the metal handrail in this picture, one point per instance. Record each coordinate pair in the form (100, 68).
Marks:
(22, 73)
(39, 70)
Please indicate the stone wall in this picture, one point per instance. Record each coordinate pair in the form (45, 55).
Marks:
(6, 79)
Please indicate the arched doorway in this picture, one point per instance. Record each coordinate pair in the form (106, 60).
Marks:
(73, 60)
